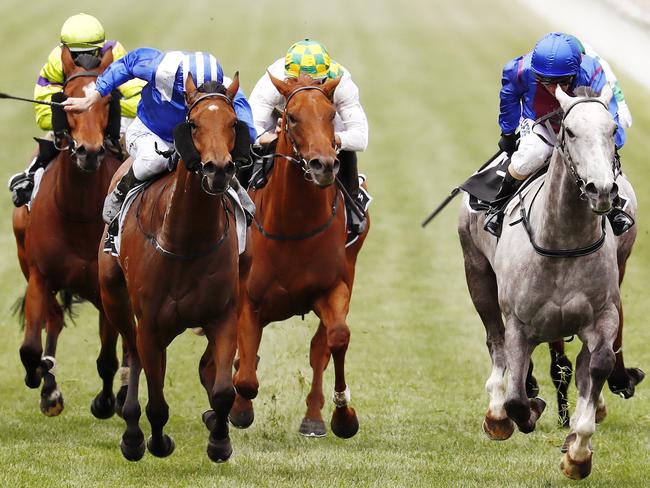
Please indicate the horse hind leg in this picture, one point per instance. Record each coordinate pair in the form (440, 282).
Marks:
(103, 405)
(482, 286)
(623, 380)
(132, 444)
(561, 373)
(312, 424)
(332, 310)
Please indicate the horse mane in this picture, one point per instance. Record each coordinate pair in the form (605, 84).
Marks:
(585, 91)
(212, 86)
(87, 61)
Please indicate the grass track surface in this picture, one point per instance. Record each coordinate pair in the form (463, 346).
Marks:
(429, 74)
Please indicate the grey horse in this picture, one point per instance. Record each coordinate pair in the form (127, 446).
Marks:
(552, 275)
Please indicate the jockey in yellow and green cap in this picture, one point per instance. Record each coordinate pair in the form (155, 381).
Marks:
(82, 34)
(309, 57)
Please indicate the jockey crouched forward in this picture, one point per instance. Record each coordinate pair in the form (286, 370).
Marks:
(309, 57)
(162, 107)
(84, 35)
(527, 93)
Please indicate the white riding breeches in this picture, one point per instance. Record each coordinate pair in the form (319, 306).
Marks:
(535, 146)
(141, 144)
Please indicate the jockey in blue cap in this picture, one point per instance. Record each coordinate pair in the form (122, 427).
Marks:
(161, 108)
(527, 93)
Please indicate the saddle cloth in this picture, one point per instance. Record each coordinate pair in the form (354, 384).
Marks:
(112, 242)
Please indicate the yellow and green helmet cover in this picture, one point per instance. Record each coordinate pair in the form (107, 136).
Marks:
(309, 58)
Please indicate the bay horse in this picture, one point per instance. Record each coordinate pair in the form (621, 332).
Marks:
(298, 261)
(57, 241)
(177, 269)
(553, 274)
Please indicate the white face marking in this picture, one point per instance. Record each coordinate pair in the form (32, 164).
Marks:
(89, 88)
(214, 108)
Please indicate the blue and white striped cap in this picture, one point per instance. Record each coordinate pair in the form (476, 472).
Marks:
(203, 66)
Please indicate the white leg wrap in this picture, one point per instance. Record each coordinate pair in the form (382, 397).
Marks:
(341, 398)
(124, 375)
(52, 360)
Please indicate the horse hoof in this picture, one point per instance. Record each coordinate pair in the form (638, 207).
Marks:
(219, 451)
(52, 404)
(103, 407)
(498, 429)
(601, 413)
(567, 442)
(120, 398)
(132, 453)
(312, 428)
(574, 469)
(241, 414)
(161, 450)
(344, 422)
(33, 381)
(625, 385)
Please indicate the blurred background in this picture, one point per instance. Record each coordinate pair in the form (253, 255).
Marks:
(429, 76)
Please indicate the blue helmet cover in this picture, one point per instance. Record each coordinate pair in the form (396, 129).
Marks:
(556, 55)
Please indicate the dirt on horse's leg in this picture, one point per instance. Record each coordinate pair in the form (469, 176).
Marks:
(623, 380)
(154, 363)
(561, 373)
(103, 405)
(332, 310)
(132, 444)
(223, 338)
(522, 410)
(319, 355)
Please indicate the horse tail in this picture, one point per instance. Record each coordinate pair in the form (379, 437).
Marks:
(18, 309)
(67, 300)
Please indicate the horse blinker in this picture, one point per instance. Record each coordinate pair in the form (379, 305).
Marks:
(185, 146)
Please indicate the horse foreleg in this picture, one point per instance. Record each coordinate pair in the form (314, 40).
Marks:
(51, 397)
(154, 363)
(249, 335)
(319, 355)
(623, 380)
(103, 405)
(561, 373)
(223, 343)
(332, 310)
(595, 363)
(522, 410)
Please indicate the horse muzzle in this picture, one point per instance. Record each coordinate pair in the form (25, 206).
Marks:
(89, 160)
(601, 196)
(218, 177)
(323, 170)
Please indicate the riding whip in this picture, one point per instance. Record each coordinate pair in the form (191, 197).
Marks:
(455, 192)
(42, 102)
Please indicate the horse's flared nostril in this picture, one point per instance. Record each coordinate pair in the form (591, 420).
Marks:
(336, 166)
(614, 191)
(315, 165)
(591, 190)
(230, 169)
(81, 150)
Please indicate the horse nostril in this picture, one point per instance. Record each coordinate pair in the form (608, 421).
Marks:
(590, 189)
(614, 191)
(336, 166)
(81, 150)
(315, 165)
(230, 168)
(101, 152)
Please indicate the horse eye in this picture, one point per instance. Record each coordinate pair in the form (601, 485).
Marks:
(291, 119)
(570, 133)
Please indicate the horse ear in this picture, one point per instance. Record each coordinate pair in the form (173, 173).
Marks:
(563, 98)
(606, 94)
(231, 91)
(66, 60)
(330, 85)
(107, 59)
(190, 89)
(281, 85)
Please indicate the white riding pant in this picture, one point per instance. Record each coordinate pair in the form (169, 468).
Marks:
(535, 146)
(141, 144)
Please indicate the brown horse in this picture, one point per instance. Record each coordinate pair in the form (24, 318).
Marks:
(57, 243)
(299, 261)
(178, 268)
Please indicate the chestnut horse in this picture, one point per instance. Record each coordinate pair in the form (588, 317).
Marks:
(57, 242)
(177, 269)
(299, 261)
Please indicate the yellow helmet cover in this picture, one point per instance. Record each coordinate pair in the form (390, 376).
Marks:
(82, 32)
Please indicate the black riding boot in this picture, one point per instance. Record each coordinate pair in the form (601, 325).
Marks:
(115, 199)
(350, 179)
(494, 220)
(241, 154)
(21, 185)
(620, 220)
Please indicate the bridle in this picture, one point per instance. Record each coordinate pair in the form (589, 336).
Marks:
(560, 146)
(65, 134)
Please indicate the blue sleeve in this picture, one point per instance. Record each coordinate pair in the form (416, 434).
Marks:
(598, 81)
(139, 63)
(244, 112)
(510, 95)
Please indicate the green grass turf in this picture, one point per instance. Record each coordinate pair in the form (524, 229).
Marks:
(429, 74)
